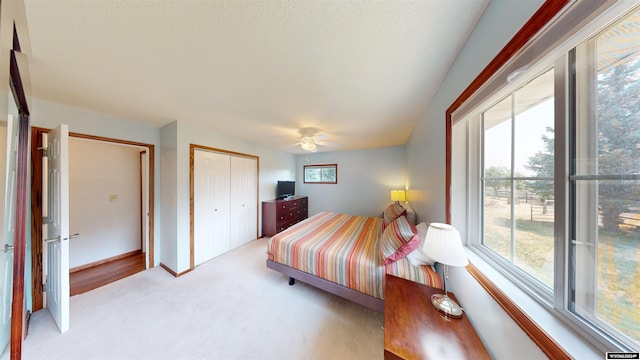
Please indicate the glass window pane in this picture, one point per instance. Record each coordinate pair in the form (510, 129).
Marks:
(497, 139)
(321, 174)
(313, 175)
(534, 127)
(617, 93)
(497, 220)
(329, 175)
(533, 237)
(519, 226)
(606, 246)
(607, 249)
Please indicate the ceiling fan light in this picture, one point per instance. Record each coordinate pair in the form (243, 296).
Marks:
(308, 146)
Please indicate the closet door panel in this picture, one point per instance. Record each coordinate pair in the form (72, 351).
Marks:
(211, 205)
(202, 205)
(244, 174)
(221, 203)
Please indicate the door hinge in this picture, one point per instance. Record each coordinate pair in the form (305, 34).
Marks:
(45, 151)
(44, 287)
(47, 220)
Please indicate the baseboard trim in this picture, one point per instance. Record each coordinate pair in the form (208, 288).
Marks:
(537, 335)
(175, 274)
(104, 261)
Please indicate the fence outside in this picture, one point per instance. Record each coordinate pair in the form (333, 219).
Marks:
(543, 212)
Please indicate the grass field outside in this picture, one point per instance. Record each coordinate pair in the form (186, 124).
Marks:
(618, 255)
(533, 239)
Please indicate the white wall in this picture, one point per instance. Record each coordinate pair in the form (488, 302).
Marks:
(274, 166)
(49, 115)
(168, 190)
(365, 178)
(426, 170)
(107, 228)
(426, 147)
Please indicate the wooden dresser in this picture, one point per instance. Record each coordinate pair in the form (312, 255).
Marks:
(414, 329)
(278, 215)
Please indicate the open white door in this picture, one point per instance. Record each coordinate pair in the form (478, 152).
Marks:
(7, 224)
(58, 227)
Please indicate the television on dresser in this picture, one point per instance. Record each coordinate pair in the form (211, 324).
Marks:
(285, 189)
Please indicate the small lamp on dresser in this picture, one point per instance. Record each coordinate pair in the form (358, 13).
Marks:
(443, 245)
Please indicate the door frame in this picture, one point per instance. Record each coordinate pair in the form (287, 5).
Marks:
(192, 149)
(17, 79)
(37, 302)
(141, 161)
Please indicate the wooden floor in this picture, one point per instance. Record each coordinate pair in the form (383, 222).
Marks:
(103, 274)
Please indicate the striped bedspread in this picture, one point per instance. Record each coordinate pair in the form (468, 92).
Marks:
(343, 249)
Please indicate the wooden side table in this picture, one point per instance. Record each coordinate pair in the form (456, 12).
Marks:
(414, 329)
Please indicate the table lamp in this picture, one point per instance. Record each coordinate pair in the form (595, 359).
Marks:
(443, 245)
(397, 195)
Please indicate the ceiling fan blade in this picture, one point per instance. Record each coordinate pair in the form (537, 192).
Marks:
(325, 143)
(320, 137)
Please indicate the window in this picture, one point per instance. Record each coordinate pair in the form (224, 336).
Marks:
(518, 210)
(605, 181)
(321, 174)
(552, 172)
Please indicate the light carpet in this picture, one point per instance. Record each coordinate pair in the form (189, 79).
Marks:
(231, 307)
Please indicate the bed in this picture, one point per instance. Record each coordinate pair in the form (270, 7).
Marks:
(349, 255)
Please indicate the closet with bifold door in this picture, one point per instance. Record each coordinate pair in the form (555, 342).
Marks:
(225, 202)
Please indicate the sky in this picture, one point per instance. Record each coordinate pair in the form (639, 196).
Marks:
(530, 126)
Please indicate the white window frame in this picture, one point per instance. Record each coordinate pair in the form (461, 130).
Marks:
(549, 48)
(515, 273)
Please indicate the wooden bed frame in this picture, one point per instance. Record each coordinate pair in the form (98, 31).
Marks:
(328, 286)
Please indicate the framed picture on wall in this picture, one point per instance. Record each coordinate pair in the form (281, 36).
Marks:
(321, 174)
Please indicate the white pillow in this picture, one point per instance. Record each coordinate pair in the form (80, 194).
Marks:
(417, 257)
(411, 214)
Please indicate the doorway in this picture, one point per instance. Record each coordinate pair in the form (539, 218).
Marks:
(106, 209)
(98, 259)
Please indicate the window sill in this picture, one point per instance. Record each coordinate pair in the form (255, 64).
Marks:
(554, 337)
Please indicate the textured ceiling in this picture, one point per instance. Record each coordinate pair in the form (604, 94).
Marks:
(362, 72)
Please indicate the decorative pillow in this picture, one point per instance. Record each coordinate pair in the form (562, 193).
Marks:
(398, 239)
(418, 257)
(393, 212)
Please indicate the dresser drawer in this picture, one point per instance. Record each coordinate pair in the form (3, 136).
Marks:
(291, 205)
(285, 225)
(285, 216)
(278, 215)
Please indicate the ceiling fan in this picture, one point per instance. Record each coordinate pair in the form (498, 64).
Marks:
(310, 139)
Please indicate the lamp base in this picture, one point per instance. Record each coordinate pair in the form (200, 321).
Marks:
(446, 305)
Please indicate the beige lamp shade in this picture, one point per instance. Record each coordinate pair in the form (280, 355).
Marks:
(397, 195)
